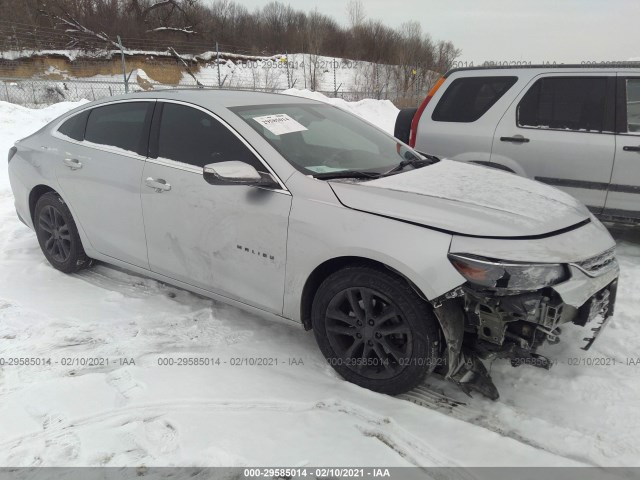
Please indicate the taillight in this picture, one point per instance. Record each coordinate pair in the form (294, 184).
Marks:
(12, 152)
(423, 105)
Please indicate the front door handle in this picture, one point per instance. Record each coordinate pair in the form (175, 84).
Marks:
(631, 149)
(73, 163)
(158, 184)
(515, 139)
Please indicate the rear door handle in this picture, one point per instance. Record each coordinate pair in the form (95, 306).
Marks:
(631, 149)
(158, 184)
(73, 163)
(515, 139)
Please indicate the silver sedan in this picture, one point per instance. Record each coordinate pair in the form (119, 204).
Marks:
(402, 264)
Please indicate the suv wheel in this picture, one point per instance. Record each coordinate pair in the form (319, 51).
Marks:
(374, 329)
(58, 235)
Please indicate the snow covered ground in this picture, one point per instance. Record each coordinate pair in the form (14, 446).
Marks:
(258, 72)
(118, 413)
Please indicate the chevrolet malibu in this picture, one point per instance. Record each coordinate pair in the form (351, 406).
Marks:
(402, 264)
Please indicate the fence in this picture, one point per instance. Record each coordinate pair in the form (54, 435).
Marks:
(38, 93)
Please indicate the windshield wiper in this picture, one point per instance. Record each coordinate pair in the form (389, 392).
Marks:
(347, 174)
(414, 162)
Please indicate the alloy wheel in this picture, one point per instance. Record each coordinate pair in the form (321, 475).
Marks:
(55, 234)
(368, 333)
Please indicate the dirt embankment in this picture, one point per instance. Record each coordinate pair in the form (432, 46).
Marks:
(57, 67)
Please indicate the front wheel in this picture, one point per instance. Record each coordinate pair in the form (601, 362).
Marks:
(374, 329)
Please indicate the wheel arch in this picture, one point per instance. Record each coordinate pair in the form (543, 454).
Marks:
(41, 189)
(35, 194)
(328, 267)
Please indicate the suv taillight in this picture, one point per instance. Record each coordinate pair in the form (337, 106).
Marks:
(12, 152)
(423, 105)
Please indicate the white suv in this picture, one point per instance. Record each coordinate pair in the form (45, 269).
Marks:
(574, 127)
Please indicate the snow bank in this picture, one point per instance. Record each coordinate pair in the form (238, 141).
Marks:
(381, 113)
(17, 122)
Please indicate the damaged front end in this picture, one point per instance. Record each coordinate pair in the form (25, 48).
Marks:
(509, 309)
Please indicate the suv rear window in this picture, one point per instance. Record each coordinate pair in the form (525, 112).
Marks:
(565, 104)
(633, 105)
(468, 99)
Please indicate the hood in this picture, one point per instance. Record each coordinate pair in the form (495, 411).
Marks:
(466, 199)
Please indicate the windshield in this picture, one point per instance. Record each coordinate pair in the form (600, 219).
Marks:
(320, 140)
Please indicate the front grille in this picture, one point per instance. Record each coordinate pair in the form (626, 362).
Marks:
(600, 263)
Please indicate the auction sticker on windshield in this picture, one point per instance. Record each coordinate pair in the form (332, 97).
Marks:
(280, 124)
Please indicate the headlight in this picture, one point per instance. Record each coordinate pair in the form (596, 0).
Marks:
(502, 274)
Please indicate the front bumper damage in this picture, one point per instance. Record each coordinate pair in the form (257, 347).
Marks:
(484, 324)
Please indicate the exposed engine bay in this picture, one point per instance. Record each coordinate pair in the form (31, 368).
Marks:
(498, 320)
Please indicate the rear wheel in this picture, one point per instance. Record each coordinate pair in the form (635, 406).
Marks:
(58, 235)
(375, 330)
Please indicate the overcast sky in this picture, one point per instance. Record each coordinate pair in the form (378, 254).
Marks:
(508, 30)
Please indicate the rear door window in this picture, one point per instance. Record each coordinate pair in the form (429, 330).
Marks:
(468, 99)
(122, 125)
(564, 103)
(74, 127)
(633, 105)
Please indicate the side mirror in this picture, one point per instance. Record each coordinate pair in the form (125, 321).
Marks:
(236, 173)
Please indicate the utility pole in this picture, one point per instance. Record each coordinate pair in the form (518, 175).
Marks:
(335, 82)
(288, 77)
(124, 67)
(218, 63)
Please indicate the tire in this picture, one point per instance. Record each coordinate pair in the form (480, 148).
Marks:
(403, 124)
(58, 235)
(401, 346)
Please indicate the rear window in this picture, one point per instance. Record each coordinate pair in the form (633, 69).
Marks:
(74, 127)
(120, 125)
(468, 99)
(563, 103)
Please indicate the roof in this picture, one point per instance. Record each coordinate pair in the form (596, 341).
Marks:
(605, 66)
(209, 96)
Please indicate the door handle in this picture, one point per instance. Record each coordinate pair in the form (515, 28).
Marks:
(158, 184)
(515, 139)
(73, 163)
(631, 149)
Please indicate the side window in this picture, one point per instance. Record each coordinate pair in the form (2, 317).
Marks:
(633, 105)
(189, 135)
(565, 104)
(468, 99)
(74, 127)
(119, 125)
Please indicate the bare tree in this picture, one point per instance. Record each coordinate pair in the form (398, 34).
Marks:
(181, 60)
(73, 29)
(356, 13)
(162, 14)
(405, 59)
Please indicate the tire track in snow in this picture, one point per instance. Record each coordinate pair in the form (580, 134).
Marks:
(406, 445)
(427, 397)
